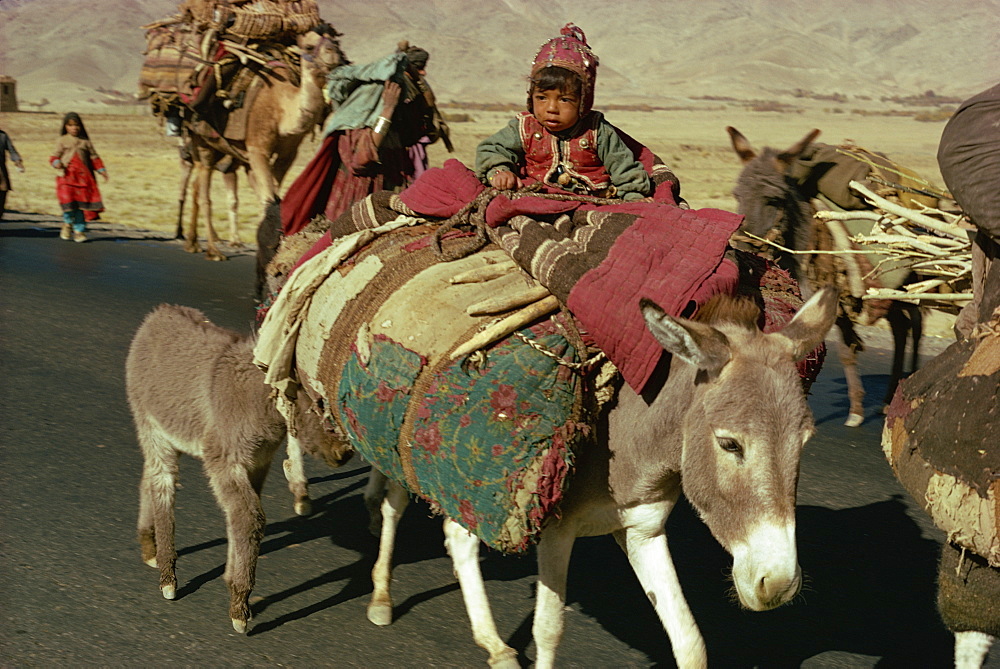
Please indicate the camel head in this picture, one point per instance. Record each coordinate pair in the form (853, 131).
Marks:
(320, 48)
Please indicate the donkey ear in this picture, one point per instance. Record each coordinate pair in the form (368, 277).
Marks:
(795, 150)
(695, 343)
(741, 144)
(809, 327)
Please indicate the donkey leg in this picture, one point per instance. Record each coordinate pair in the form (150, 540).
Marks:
(848, 348)
(463, 547)
(145, 531)
(971, 649)
(158, 489)
(899, 324)
(295, 474)
(645, 544)
(554, 550)
(651, 561)
(234, 490)
(392, 506)
(916, 334)
(373, 495)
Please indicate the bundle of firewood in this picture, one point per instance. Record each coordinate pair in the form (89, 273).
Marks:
(933, 243)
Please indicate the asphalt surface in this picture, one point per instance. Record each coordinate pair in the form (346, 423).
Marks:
(73, 591)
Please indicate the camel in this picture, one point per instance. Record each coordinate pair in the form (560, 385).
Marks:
(279, 117)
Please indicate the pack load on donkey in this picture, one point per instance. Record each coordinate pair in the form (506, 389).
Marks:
(523, 376)
(202, 61)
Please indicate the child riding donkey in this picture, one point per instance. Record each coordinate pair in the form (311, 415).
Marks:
(412, 322)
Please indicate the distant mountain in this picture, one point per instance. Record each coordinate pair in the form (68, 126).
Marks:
(654, 52)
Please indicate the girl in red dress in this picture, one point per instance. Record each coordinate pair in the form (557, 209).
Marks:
(76, 187)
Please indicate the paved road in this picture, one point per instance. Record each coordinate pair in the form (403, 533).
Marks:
(73, 590)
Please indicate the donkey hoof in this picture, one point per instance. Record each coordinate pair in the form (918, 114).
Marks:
(854, 420)
(380, 614)
(303, 507)
(239, 625)
(169, 592)
(151, 562)
(505, 659)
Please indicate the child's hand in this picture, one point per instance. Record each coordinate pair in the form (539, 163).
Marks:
(504, 180)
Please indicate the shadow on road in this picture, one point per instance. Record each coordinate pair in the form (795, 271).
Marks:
(870, 589)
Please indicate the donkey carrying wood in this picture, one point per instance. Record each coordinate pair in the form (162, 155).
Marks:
(728, 425)
(193, 388)
(777, 208)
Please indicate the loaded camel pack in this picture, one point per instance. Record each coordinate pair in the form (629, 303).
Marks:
(243, 82)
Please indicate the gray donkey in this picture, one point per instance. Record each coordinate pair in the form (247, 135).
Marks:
(193, 388)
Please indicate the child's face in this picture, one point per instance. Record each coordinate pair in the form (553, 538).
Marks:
(72, 127)
(555, 109)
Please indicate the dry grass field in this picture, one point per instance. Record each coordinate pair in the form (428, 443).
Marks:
(143, 163)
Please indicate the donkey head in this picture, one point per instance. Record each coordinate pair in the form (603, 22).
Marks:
(743, 435)
(314, 435)
(766, 195)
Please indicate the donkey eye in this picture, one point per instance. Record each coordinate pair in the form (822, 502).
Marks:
(730, 446)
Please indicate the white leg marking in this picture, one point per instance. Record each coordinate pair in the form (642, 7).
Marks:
(393, 505)
(295, 474)
(646, 546)
(463, 547)
(971, 649)
(554, 551)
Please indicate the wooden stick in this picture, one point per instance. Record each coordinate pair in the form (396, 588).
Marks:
(484, 273)
(922, 220)
(505, 326)
(495, 305)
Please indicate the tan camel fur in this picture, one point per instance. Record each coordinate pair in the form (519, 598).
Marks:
(212, 158)
(193, 388)
(279, 118)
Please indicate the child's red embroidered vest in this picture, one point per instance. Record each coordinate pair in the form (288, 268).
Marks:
(582, 171)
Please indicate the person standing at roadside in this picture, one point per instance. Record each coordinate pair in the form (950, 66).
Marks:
(76, 186)
(7, 147)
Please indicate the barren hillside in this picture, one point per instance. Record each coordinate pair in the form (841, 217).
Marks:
(651, 52)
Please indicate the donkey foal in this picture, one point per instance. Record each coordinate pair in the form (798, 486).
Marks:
(193, 388)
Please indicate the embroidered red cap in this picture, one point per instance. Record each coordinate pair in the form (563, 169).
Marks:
(571, 51)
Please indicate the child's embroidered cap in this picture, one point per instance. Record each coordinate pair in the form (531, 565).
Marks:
(571, 51)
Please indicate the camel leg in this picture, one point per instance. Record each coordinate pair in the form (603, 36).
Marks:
(295, 474)
(393, 505)
(204, 163)
(186, 167)
(156, 506)
(282, 163)
(463, 547)
(849, 346)
(233, 203)
(263, 179)
(234, 489)
(191, 244)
